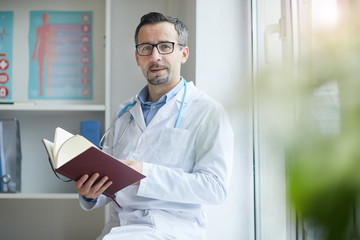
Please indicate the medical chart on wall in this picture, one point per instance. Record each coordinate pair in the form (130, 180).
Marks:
(60, 45)
(6, 41)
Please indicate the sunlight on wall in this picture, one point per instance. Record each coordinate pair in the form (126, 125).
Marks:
(324, 14)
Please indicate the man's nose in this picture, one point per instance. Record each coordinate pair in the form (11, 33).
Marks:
(155, 54)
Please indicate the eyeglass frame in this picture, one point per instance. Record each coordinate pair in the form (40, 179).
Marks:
(156, 45)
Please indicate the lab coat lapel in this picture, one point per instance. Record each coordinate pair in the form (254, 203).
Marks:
(138, 115)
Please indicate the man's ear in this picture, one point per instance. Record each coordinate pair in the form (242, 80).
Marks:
(185, 54)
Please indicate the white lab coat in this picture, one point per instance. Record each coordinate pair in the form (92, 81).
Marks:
(187, 168)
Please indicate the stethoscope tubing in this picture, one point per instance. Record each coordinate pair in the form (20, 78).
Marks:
(101, 143)
(181, 106)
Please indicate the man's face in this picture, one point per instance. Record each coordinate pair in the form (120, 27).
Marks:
(161, 69)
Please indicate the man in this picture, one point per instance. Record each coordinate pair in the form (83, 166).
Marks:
(174, 134)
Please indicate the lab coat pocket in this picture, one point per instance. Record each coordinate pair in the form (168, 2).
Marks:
(177, 225)
(172, 147)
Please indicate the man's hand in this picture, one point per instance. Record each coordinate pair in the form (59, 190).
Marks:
(86, 187)
(138, 166)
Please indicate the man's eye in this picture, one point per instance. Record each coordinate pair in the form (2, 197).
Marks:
(146, 48)
(165, 46)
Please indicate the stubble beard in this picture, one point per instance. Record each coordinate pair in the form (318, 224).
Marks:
(158, 79)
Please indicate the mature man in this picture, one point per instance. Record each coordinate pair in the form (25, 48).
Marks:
(173, 133)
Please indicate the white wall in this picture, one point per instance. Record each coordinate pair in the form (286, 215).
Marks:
(186, 11)
(126, 77)
(223, 70)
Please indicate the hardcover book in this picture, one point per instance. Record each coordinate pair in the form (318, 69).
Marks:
(73, 156)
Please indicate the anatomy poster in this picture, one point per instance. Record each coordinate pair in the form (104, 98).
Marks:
(60, 55)
(6, 39)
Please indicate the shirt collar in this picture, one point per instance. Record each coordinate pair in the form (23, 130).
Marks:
(144, 93)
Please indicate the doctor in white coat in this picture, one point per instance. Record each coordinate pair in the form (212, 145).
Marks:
(175, 135)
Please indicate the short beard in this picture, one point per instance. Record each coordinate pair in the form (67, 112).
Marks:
(158, 81)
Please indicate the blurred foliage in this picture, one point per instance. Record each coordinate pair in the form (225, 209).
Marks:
(322, 101)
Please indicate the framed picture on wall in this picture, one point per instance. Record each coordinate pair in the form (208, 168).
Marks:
(6, 42)
(60, 45)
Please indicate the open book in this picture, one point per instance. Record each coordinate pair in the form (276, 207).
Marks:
(73, 156)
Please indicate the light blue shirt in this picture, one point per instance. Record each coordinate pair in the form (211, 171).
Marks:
(149, 108)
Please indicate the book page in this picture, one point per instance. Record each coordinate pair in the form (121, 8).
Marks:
(71, 148)
(50, 149)
(60, 137)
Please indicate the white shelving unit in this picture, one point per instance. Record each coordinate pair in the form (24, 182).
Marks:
(39, 118)
(46, 207)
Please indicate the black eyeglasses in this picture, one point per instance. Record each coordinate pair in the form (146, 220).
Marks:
(145, 49)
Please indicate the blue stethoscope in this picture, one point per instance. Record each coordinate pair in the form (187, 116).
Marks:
(127, 107)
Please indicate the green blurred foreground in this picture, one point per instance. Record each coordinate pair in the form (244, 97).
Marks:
(322, 141)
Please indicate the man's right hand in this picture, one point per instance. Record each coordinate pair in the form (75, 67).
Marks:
(86, 187)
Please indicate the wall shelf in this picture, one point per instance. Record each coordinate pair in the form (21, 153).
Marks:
(54, 107)
(39, 196)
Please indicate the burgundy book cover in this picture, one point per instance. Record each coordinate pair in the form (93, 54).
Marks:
(96, 161)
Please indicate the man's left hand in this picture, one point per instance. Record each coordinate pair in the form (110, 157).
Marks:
(138, 166)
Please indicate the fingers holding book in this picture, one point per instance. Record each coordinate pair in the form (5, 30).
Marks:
(90, 187)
